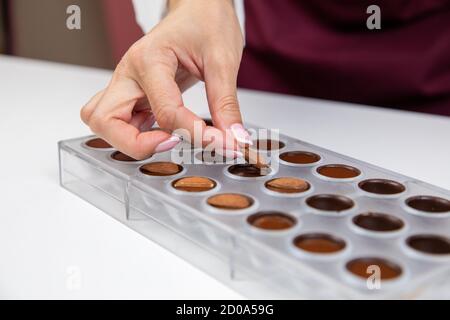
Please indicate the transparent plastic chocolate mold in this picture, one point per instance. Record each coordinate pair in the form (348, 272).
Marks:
(372, 213)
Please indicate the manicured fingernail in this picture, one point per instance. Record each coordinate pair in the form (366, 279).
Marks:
(168, 144)
(240, 134)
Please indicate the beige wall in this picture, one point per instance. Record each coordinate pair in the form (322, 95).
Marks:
(40, 32)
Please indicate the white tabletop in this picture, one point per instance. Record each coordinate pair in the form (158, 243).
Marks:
(55, 245)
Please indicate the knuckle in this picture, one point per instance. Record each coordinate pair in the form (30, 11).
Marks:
(96, 122)
(165, 117)
(228, 105)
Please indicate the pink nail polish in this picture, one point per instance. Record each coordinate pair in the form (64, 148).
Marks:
(240, 134)
(168, 144)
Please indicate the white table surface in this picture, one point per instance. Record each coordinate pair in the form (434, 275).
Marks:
(55, 245)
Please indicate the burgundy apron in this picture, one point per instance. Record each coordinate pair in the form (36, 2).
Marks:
(323, 49)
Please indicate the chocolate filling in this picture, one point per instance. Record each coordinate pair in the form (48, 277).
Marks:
(374, 221)
(98, 143)
(300, 157)
(319, 243)
(248, 170)
(429, 204)
(381, 186)
(194, 184)
(330, 202)
(119, 156)
(268, 144)
(161, 168)
(429, 243)
(230, 201)
(271, 220)
(287, 185)
(360, 268)
(338, 171)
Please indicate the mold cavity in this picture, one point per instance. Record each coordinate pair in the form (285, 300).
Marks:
(287, 185)
(330, 202)
(379, 222)
(321, 243)
(248, 170)
(388, 269)
(431, 244)
(272, 220)
(230, 201)
(161, 168)
(194, 184)
(429, 204)
(300, 157)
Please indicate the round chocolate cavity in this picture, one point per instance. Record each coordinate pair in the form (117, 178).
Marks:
(230, 201)
(388, 270)
(319, 243)
(161, 168)
(269, 144)
(119, 156)
(330, 202)
(248, 170)
(300, 157)
(379, 222)
(381, 186)
(431, 244)
(98, 143)
(194, 184)
(429, 204)
(271, 220)
(338, 171)
(287, 185)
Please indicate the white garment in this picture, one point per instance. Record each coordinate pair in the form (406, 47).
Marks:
(150, 12)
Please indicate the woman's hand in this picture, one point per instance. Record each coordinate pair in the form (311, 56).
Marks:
(198, 40)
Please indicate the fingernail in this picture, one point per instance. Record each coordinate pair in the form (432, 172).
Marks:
(240, 134)
(168, 144)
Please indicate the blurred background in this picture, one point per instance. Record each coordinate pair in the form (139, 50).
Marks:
(29, 29)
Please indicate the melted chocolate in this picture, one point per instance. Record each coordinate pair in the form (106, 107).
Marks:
(429, 204)
(194, 184)
(381, 186)
(98, 143)
(248, 170)
(319, 243)
(388, 269)
(230, 201)
(300, 157)
(271, 220)
(378, 222)
(338, 171)
(330, 202)
(287, 185)
(161, 168)
(119, 156)
(428, 243)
